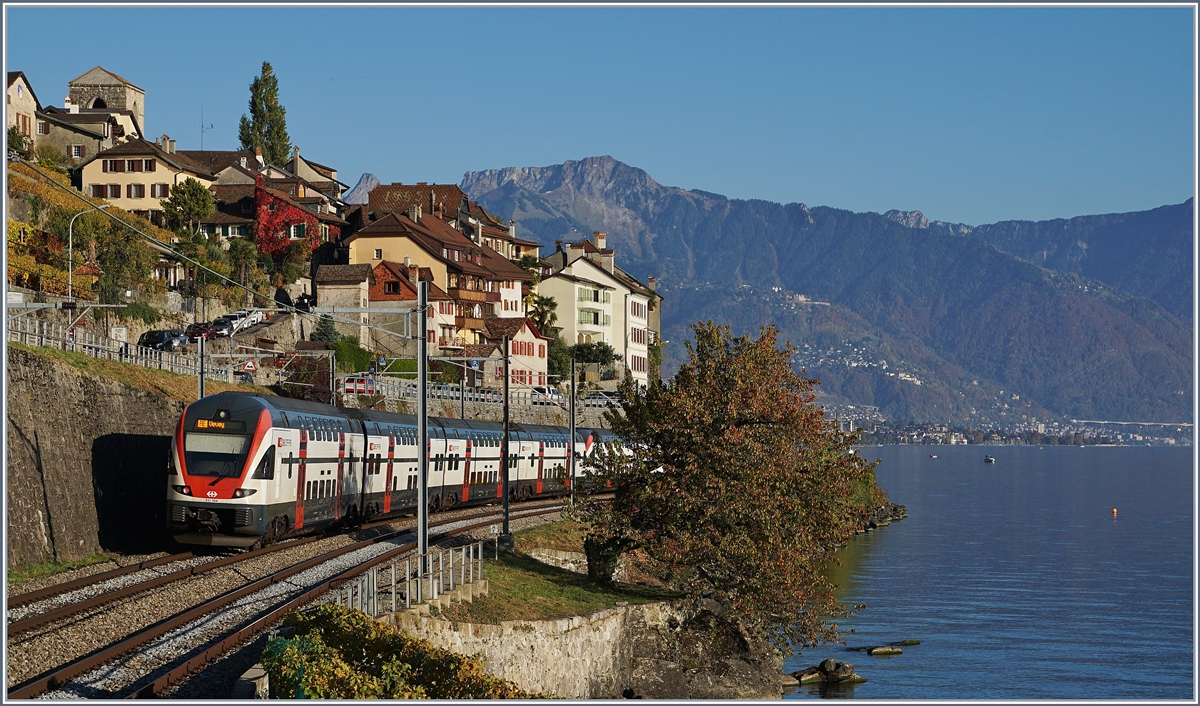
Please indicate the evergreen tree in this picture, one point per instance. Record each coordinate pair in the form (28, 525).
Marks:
(325, 330)
(188, 204)
(267, 125)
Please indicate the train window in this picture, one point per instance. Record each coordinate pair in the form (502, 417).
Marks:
(266, 467)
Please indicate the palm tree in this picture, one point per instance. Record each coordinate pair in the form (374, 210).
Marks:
(541, 314)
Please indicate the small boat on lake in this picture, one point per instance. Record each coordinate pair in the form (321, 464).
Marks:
(932, 455)
(989, 459)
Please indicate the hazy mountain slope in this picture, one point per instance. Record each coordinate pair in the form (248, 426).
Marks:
(966, 319)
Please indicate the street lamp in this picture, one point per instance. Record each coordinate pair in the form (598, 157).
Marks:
(71, 248)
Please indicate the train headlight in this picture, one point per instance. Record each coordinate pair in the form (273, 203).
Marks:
(244, 492)
(182, 489)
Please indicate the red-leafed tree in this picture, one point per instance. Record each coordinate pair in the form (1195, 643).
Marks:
(733, 487)
(274, 218)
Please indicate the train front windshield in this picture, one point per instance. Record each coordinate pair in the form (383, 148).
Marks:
(211, 455)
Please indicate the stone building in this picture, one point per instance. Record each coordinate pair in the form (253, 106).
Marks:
(101, 89)
(23, 105)
(346, 286)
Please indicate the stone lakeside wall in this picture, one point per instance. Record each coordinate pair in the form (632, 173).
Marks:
(86, 462)
(584, 657)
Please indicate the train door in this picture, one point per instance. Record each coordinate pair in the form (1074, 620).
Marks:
(466, 471)
(541, 464)
(353, 449)
(388, 482)
(301, 471)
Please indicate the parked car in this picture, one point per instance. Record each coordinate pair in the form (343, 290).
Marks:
(249, 317)
(223, 326)
(200, 330)
(158, 339)
(179, 336)
(243, 376)
(238, 319)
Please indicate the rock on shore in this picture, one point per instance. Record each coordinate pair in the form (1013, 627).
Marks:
(882, 516)
(830, 671)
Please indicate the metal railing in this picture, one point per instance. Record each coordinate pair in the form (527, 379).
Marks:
(40, 332)
(389, 588)
(397, 388)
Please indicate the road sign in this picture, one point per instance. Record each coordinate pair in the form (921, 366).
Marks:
(250, 367)
(475, 364)
(382, 361)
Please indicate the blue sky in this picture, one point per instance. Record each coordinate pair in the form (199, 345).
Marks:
(968, 114)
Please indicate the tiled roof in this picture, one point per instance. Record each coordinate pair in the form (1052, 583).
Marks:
(216, 160)
(291, 200)
(344, 274)
(629, 281)
(481, 214)
(69, 125)
(473, 350)
(397, 198)
(142, 147)
(101, 68)
(498, 327)
(226, 218)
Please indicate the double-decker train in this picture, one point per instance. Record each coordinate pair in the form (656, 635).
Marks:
(248, 469)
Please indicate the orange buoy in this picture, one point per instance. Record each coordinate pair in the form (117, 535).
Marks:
(1114, 512)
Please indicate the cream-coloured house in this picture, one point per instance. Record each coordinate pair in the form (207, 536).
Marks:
(23, 105)
(528, 351)
(138, 175)
(599, 302)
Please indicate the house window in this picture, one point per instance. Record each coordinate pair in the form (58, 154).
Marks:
(160, 191)
(77, 151)
(296, 231)
(99, 191)
(147, 165)
(133, 165)
(456, 256)
(445, 252)
(391, 287)
(43, 127)
(378, 254)
(113, 165)
(135, 191)
(114, 191)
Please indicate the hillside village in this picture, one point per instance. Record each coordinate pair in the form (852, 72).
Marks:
(293, 236)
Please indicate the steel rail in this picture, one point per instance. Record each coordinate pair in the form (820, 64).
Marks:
(67, 586)
(231, 640)
(64, 674)
(33, 622)
(36, 621)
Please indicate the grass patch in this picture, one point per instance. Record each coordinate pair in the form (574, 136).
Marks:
(173, 385)
(520, 588)
(49, 568)
(564, 536)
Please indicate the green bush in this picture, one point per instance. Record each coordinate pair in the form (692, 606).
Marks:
(339, 653)
(351, 357)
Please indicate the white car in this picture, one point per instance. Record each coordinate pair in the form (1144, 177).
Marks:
(544, 394)
(238, 318)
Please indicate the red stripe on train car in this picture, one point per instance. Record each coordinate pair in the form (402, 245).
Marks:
(387, 486)
(300, 479)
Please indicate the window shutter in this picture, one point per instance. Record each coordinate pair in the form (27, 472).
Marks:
(104, 165)
(150, 165)
(166, 191)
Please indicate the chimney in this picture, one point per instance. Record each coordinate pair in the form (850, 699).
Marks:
(70, 105)
(414, 213)
(432, 201)
(407, 261)
(243, 162)
(259, 158)
(295, 151)
(512, 228)
(414, 273)
(652, 283)
(600, 239)
(558, 246)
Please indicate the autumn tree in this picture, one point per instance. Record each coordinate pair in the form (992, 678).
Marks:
(733, 486)
(267, 125)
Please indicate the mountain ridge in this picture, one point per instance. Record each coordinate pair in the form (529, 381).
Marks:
(952, 300)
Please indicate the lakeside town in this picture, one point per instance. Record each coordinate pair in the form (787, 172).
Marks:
(285, 230)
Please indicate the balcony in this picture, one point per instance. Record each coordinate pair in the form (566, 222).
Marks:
(450, 342)
(493, 296)
(467, 295)
(468, 322)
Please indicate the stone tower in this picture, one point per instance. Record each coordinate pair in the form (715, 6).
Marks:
(102, 89)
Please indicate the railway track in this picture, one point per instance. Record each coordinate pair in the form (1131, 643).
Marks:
(160, 655)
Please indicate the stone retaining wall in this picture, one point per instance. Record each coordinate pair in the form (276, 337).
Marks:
(586, 657)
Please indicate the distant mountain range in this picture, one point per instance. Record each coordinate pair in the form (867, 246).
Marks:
(358, 194)
(1087, 318)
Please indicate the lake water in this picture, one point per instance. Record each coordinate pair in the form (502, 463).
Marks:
(1019, 581)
